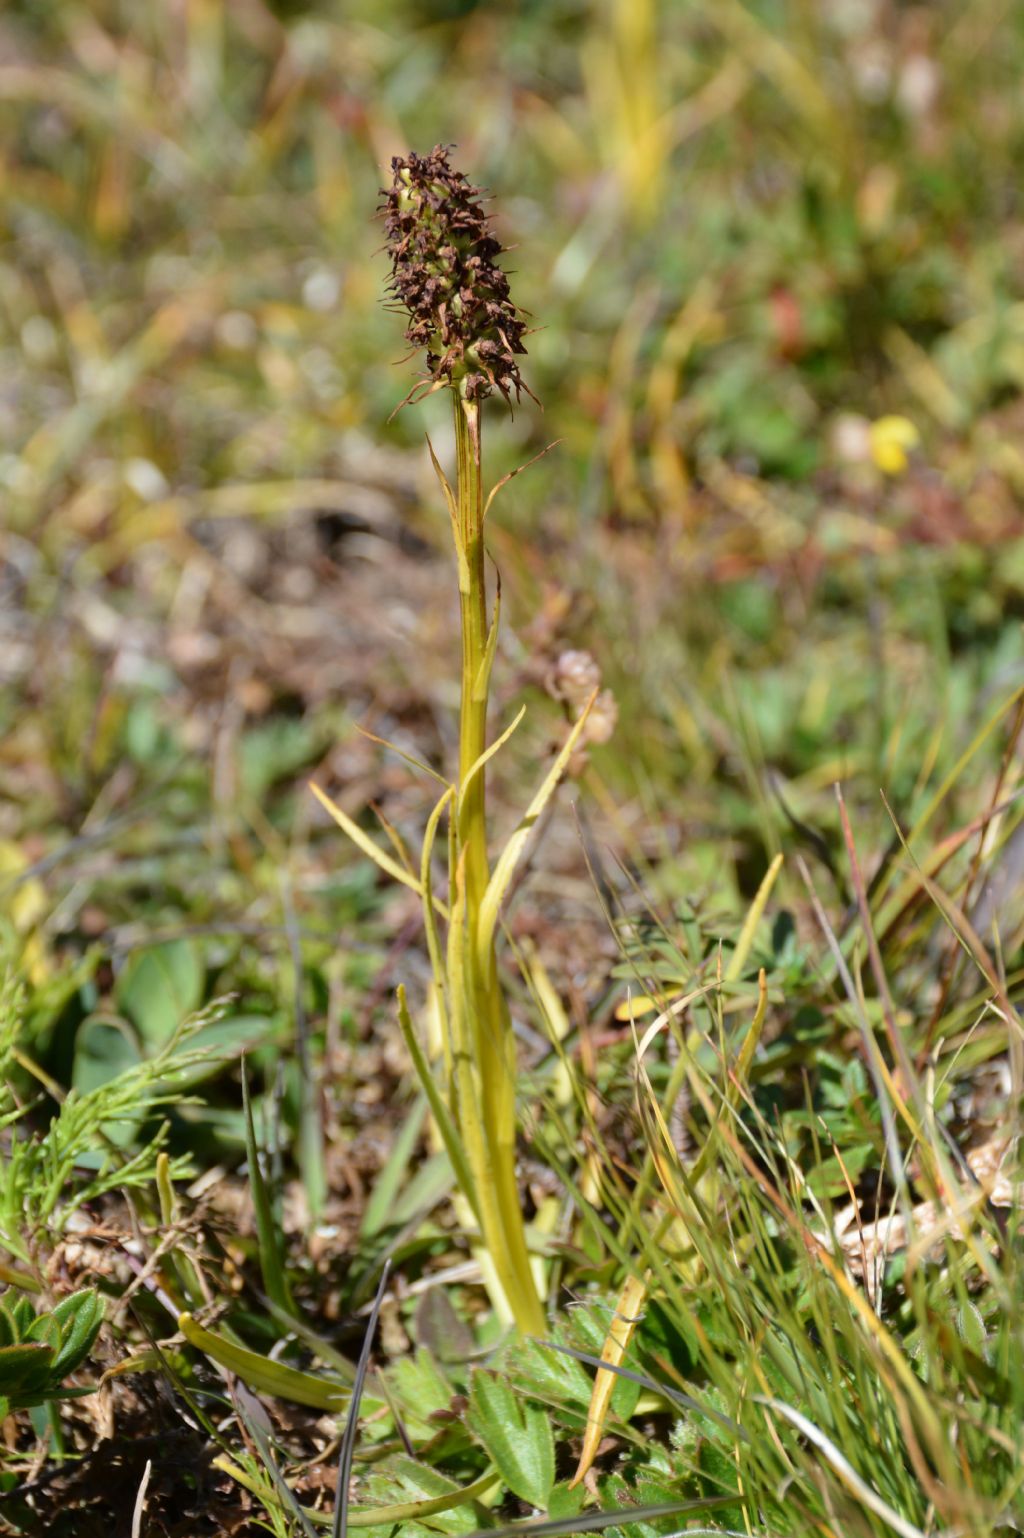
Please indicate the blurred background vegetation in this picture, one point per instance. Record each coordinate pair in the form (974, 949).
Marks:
(745, 232)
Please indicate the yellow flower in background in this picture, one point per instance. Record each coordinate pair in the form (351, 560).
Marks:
(892, 441)
(25, 900)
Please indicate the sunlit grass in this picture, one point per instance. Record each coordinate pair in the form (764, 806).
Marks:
(747, 235)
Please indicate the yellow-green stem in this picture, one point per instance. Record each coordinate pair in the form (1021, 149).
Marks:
(485, 1088)
(473, 604)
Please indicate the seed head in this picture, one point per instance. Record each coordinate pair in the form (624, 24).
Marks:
(444, 274)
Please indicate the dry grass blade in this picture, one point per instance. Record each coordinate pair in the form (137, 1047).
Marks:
(513, 473)
(140, 1500)
(624, 1322)
(515, 848)
(362, 841)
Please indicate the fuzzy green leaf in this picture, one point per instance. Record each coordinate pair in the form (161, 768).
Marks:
(9, 1334)
(46, 1331)
(25, 1371)
(515, 1434)
(79, 1317)
(421, 1390)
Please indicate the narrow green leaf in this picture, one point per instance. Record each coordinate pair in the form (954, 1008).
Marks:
(365, 843)
(429, 918)
(439, 1111)
(285, 1492)
(388, 1183)
(375, 1516)
(591, 1521)
(268, 1240)
(260, 1373)
(427, 1189)
(738, 959)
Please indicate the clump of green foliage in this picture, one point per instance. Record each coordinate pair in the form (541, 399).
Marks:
(47, 1176)
(38, 1351)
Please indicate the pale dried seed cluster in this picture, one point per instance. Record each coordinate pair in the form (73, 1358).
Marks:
(573, 678)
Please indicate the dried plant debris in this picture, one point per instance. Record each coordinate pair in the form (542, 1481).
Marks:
(185, 1495)
(869, 1246)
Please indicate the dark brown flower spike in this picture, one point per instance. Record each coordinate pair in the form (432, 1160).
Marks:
(444, 274)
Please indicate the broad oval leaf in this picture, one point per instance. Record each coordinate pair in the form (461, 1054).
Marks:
(515, 1434)
(159, 987)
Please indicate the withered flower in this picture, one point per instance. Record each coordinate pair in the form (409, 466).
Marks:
(445, 275)
(573, 679)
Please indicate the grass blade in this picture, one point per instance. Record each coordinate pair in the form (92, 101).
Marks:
(268, 1238)
(439, 1111)
(620, 1333)
(753, 918)
(363, 842)
(348, 1440)
(504, 870)
(847, 1473)
(597, 1521)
